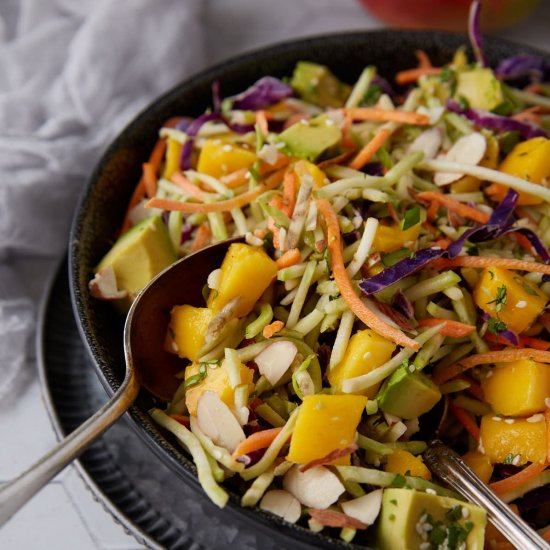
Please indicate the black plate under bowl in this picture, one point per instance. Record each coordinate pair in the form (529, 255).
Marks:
(103, 204)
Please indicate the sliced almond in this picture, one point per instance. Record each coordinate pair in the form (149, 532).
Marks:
(274, 360)
(217, 421)
(468, 149)
(104, 285)
(428, 142)
(317, 487)
(365, 508)
(282, 504)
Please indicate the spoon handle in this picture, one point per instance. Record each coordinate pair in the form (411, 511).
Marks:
(449, 467)
(16, 493)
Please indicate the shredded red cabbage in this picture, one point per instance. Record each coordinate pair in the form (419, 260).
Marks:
(499, 123)
(475, 34)
(500, 223)
(522, 65)
(263, 93)
(192, 131)
(384, 85)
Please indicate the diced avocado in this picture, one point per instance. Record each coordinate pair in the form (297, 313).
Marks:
(408, 394)
(309, 139)
(410, 518)
(480, 88)
(138, 255)
(316, 84)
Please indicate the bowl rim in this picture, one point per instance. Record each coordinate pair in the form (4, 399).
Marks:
(176, 460)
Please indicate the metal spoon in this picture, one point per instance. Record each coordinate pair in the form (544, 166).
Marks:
(451, 469)
(147, 365)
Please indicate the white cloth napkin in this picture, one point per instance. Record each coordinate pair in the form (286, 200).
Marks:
(72, 74)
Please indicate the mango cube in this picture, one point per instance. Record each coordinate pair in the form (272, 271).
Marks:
(390, 238)
(218, 158)
(186, 331)
(515, 440)
(304, 167)
(479, 464)
(527, 160)
(216, 380)
(518, 388)
(172, 163)
(325, 423)
(246, 272)
(510, 297)
(366, 351)
(401, 462)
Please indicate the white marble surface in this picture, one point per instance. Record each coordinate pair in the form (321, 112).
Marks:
(65, 515)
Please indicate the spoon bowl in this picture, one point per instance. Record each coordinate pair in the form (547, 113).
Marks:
(147, 365)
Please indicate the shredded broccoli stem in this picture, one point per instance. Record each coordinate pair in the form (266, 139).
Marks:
(259, 486)
(273, 450)
(190, 441)
(264, 318)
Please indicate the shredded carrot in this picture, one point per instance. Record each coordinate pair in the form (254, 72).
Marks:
(242, 175)
(290, 185)
(256, 441)
(523, 341)
(290, 257)
(502, 356)
(431, 213)
(187, 185)
(454, 329)
(451, 204)
(423, 59)
(369, 150)
(201, 237)
(485, 261)
(375, 114)
(347, 140)
(260, 233)
(444, 243)
(412, 75)
(505, 485)
(272, 328)
(150, 179)
(222, 206)
(345, 285)
(465, 418)
(261, 121)
(157, 154)
(235, 179)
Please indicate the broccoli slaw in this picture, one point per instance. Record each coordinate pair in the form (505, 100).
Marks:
(397, 243)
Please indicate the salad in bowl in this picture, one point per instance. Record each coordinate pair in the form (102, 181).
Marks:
(393, 261)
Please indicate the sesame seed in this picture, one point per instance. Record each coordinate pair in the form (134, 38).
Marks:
(412, 368)
(430, 491)
(489, 374)
(516, 460)
(425, 546)
(465, 512)
(521, 304)
(480, 447)
(367, 355)
(496, 418)
(227, 148)
(509, 420)
(536, 418)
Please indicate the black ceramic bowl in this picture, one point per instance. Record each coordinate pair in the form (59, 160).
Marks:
(103, 204)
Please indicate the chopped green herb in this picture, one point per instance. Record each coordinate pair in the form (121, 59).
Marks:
(500, 299)
(496, 325)
(392, 517)
(454, 514)
(531, 291)
(372, 95)
(398, 481)
(508, 459)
